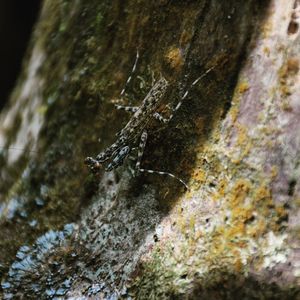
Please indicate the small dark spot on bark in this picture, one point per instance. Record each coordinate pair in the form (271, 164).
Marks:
(291, 189)
(212, 184)
(250, 220)
(293, 27)
(282, 219)
(117, 178)
(109, 182)
(227, 106)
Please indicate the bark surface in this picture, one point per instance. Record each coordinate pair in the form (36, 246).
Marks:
(235, 234)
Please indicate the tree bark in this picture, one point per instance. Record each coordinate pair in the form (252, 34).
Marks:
(234, 234)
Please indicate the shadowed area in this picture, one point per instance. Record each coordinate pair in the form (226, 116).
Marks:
(16, 22)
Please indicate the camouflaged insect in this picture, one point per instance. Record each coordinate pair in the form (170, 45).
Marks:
(135, 132)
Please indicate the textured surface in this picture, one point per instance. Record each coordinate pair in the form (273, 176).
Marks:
(235, 234)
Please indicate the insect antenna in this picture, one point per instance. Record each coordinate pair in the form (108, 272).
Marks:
(132, 72)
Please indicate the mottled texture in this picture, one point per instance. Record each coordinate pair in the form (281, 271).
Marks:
(235, 141)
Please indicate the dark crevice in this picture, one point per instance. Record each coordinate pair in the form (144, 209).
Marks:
(16, 21)
(291, 189)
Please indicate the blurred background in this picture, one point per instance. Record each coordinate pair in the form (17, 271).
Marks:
(17, 19)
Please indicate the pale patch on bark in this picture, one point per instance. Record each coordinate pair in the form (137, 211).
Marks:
(28, 103)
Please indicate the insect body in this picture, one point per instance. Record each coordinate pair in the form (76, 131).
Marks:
(135, 132)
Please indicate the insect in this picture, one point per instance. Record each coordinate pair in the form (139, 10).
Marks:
(134, 134)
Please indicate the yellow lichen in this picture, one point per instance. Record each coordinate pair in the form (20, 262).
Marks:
(199, 175)
(293, 65)
(234, 113)
(242, 137)
(257, 229)
(222, 187)
(262, 193)
(243, 87)
(286, 73)
(266, 29)
(239, 192)
(174, 58)
(267, 51)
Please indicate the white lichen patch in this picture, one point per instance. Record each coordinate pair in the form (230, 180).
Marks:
(275, 250)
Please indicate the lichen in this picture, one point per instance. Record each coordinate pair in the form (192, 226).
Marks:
(30, 266)
(143, 236)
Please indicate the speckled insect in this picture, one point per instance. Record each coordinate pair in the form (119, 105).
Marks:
(135, 132)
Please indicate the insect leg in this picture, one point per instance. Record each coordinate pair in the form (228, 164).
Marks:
(174, 109)
(138, 163)
(103, 156)
(96, 163)
(93, 164)
(160, 118)
(132, 71)
(132, 109)
(193, 84)
(141, 150)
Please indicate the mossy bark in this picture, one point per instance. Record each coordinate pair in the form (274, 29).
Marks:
(235, 141)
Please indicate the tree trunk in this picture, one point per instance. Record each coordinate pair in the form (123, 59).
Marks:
(235, 141)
